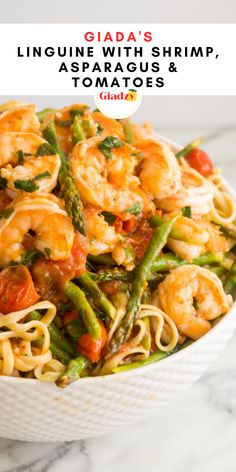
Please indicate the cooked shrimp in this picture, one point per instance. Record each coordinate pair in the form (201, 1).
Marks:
(43, 168)
(196, 237)
(192, 296)
(63, 121)
(160, 172)
(12, 104)
(43, 214)
(196, 192)
(109, 184)
(143, 132)
(101, 237)
(22, 118)
(39, 172)
(108, 126)
(12, 142)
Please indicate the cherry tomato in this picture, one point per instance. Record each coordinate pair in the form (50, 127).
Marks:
(129, 225)
(124, 226)
(90, 347)
(17, 290)
(200, 161)
(140, 239)
(51, 276)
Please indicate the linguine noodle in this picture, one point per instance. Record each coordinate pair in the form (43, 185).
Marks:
(17, 352)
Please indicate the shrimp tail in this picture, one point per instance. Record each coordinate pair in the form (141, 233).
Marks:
(68, 191)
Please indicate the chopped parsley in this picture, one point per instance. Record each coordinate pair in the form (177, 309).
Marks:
(77, 112)
(20, 156)
(45, 149)
(100, 129)
(26, 185)
(186, 211)
(108, 144)
(134, 209)
(30, 185)
(30, 257)
(138, 154)
(43, 175)
(108, 217)
(6, 213)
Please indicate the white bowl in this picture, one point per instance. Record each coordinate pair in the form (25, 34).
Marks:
(37, 411)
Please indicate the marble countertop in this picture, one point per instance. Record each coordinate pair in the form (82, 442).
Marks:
(194, 433)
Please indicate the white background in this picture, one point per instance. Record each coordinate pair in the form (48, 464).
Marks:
(40, 75)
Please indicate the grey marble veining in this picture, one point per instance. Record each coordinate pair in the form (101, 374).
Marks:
(196, 433)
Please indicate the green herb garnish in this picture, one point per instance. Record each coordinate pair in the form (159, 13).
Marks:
(106, 146)
(26, 185)
(6, 213)
(30, 185)
(108, 217)
(20, 156)
(186, 211)
(29, 257)
(77, 112)
(100, 129)
(134, 209)
(43, 175)
(45, 150)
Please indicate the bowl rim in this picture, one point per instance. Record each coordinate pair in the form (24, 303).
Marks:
(155, 365)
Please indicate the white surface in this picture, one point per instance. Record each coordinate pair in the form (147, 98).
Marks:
(195, 432)
(173, 11)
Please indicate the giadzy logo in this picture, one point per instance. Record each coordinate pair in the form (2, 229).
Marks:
(131, 95)
(118, 104)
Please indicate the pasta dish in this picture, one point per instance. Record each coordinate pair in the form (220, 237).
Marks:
(116, 249)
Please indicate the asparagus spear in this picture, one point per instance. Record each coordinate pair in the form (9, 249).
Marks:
(128, 131)
(103, 259)
(230, 282)
(56, 347)
(45, 112)
(158, 241)
(78, 298)
(77, 131)
(99, 298)
(108, 275)
(68, 191)
(73, 371)
(157, 220)
(169, 261)
(193, 145)
(55, 334)
(229, 231)
(157, 356)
